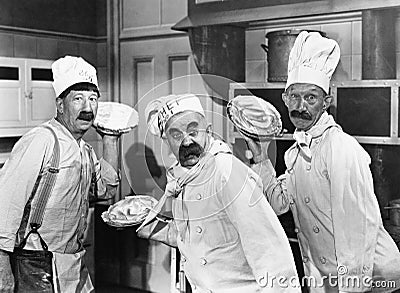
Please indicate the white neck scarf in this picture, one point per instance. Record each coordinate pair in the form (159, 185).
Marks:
(304, 139)
(176, 184)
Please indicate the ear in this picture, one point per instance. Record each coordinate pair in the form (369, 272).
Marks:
(327, 101)
(285, 99)
(209, 129)
(60, 105)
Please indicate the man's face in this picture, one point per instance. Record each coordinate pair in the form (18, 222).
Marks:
(187, 137)
(77, 111)
(305, 103)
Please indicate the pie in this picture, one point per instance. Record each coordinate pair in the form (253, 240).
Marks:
(115, 118)
(254, 117)
(129, 211)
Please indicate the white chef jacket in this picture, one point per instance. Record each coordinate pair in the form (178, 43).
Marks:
(229, 237)
(336, 213)
(64, 219)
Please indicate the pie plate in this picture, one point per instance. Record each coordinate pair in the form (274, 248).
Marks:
(115, 118)
(130, 211)
(254, 117)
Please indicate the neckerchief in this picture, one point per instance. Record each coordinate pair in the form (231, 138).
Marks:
(304, 138)
(178, 176)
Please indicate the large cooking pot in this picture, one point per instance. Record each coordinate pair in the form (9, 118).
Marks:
(279, 45)
(394, 212)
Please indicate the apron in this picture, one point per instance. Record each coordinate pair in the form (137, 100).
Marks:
(70, 274)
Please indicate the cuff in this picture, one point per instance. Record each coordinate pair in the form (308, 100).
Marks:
(7, 242)
(266, 172)
(108, 173)
(354, 280)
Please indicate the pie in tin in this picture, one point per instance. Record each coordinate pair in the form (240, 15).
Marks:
(129, 211)
(254, 117)
(115, 118)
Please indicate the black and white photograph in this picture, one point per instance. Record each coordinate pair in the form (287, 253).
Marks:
(199, 146)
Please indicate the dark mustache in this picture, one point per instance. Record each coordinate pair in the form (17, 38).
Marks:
(87, 116)
(303, 115)
(192, 149)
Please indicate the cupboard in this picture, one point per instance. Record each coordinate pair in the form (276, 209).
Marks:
(26, 95)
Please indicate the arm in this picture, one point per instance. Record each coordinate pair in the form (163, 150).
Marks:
(110, 150)
(17, 178)
(106, 169)
(355, 211)
(164, 232)
(6, 276)
(262, 237)
(274, 188)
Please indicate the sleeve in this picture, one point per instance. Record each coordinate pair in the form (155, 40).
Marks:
(262, 237)
(274, 188)
(106, 177)
(17, 178)
(161, 231)
(355, 211)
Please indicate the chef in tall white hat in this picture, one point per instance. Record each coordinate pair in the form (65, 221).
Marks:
(229, 236)
(79, 175)
(312, 62)
(328, 184)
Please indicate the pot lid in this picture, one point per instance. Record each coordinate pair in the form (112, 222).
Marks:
(291, 32)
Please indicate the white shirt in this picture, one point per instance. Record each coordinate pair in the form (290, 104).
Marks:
(229, 236)
(64, 220)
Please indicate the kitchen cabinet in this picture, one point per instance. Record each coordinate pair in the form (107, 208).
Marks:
(26, 94)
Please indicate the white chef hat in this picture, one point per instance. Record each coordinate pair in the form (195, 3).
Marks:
(313, 59)
(71, 70)
(160, 110)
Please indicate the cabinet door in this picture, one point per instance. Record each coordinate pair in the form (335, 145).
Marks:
(12, 95)
(41, 97)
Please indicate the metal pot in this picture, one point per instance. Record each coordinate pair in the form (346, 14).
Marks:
(279, 45)
(394, 212)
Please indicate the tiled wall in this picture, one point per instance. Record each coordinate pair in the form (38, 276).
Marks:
(347, 33)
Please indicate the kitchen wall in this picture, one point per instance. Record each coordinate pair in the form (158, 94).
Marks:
(64, 16)
(51, 29)
(42, 29)
(150, 54)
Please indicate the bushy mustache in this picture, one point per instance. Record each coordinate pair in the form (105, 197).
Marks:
(192, 149)
(85, 115)
(300, 114)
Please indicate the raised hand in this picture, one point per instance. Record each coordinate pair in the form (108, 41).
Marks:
(258, 149)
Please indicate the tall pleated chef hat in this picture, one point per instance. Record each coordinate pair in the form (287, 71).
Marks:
(313, 59)
(160, 110)
(70, 70)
